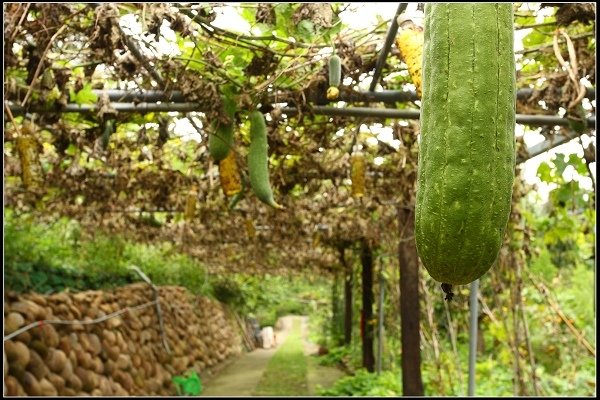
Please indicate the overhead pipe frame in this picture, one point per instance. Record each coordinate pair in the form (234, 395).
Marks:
(347, 96)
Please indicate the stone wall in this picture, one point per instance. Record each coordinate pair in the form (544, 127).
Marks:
(123, 355)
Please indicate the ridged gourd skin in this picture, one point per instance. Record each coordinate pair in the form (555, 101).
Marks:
(335, 70)
(467, 147)
(258, 160)
(410, 44)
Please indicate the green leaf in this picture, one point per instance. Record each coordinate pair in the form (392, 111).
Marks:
(331, 32)
(560, 163)
(178, 165)
(539, 36)
(578, 164)
(263, 29)
(249, 14)
(71, 150)
(531, 67)
(544, 172)
(564, 193)
(84, 96)
(306, 30)
(283, 18)
(522, 21)
(280, 32)
(237, 56)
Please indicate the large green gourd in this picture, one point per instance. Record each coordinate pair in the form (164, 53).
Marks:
(258, 160)
(467, 147)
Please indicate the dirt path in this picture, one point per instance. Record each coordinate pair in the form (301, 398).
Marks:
(241, 376)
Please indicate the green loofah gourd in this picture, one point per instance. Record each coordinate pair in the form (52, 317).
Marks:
(467, 147)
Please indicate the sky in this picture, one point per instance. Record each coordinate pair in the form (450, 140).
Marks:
(368, 15)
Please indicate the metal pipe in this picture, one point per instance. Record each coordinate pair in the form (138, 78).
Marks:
(389, 39)
(120, 107)
(356, 112)
(148, 96)
(473, 307)
(380, 323)
(383, 96)
(555, 141)
(525, 119)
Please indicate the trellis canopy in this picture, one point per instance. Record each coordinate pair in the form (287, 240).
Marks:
(119, 125)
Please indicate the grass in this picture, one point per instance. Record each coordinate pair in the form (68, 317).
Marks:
(286, 373)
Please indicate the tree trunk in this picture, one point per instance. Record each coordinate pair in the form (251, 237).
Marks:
(348, 281)
(366, 258)
(412, 384)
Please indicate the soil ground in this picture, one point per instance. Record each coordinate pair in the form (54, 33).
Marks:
(241, 376)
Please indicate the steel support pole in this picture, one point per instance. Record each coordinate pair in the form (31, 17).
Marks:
(389, 39)
(474, 310)
(380, 323)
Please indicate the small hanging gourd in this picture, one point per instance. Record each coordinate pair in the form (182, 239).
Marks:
(190, 203)
(335, 77)
(358, 172)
